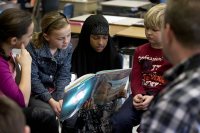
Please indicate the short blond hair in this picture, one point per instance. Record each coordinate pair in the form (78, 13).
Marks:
(154, 17)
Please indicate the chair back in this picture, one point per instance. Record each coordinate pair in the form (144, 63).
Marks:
(68, 10)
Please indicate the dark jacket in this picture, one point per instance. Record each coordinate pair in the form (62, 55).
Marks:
(50, 71)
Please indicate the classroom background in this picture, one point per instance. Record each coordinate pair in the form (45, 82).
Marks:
(125, 19)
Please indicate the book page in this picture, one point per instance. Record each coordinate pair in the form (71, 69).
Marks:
(114, 72)
(108, 97)
(111, 85)
(77, 82)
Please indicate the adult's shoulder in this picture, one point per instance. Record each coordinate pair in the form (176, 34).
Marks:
(3, 62)
(4, 67)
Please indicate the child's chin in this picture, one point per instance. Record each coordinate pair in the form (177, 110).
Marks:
(64, 47)
(99, 50)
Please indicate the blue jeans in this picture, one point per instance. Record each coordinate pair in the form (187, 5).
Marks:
(126, 118)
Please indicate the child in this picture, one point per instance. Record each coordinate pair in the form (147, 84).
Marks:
(95, 52)
(51, 52)
(12, 119)
(16, 28)
(149, 64)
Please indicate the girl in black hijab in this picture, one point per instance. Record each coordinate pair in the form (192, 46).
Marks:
(95, 51)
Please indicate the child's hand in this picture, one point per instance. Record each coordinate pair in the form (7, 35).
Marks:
(138, 98)
(137, 101)
(142, 102)
(122, 94)
(55, 106)
(60, 102)
(147, 101)
(24, 58)
(88, 104)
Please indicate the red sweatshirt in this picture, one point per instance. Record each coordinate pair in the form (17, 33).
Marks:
(148, 67)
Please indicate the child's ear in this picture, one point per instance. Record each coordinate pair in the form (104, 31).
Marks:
(45, 36)
(13, 41)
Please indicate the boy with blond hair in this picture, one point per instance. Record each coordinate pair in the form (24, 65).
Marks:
(147, 80)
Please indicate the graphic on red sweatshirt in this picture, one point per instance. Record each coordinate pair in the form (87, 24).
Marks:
(149, 65)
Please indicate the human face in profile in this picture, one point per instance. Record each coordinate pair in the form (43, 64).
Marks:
(25, 39)
(98, 42)
(154, 36)
(168, 48)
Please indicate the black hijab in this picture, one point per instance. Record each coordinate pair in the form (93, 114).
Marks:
(85, 59)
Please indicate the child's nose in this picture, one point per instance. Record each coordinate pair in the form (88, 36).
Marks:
(149, 31)
(66, 40)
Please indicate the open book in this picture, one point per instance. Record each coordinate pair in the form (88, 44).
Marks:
(102, 87)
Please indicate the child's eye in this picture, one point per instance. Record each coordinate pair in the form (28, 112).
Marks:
(155, 30)
(95, 37)
(105, 37)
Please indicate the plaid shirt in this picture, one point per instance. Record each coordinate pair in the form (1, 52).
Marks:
(177, 107)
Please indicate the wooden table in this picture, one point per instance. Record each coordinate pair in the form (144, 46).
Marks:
(133, 32)
(118, 30)
(117, 25)
(76, 28)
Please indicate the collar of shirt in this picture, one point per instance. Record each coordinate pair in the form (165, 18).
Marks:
(191, 63)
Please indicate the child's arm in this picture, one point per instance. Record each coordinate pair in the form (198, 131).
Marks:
(63, 76)
(136, 76)
(37, 86)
